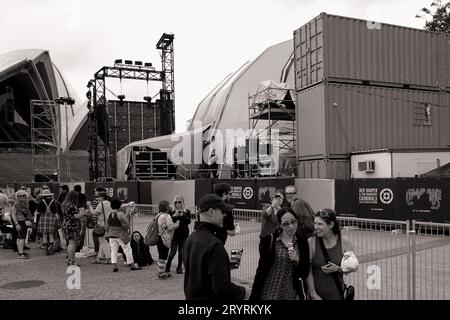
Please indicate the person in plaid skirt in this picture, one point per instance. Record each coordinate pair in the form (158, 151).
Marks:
(47, 209)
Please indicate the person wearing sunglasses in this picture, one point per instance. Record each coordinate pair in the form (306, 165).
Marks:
(283, 265)
(321, 281)
(269, 213)
(178, 213)
(21, 218)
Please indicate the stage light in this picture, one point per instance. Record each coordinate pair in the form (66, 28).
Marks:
(118, 61)
(138, 63)
(65, 100)
(148, 64)
(89, 95)
(148, 99)
(128, 62)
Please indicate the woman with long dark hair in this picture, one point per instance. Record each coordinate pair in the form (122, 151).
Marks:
(71, 216)
(326, 281)
(283, 264)
(305, 217)
(141, 251)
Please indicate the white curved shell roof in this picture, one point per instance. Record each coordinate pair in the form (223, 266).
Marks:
(226, 106)
(16, 61)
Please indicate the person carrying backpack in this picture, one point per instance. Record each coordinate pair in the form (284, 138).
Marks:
(166, 227)
(117, 231)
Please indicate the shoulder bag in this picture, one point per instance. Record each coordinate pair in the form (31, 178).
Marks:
(100, 230)
(348, 292)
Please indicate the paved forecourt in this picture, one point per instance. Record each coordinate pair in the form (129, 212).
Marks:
(96, 281)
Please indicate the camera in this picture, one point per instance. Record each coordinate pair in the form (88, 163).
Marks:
(235, 258)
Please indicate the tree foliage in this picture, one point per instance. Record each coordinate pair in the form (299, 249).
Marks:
(437, 20)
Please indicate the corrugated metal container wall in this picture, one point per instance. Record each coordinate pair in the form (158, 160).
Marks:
(352, 49)
(310, 121)
(445, 70)
(378, 117)
(323, 169)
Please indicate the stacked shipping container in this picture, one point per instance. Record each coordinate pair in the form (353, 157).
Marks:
(362, 86)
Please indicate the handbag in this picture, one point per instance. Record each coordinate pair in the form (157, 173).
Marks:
(90, 223)
(100, 230)
(348, 292)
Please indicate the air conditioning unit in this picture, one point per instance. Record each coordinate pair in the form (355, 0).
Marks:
(366, 166)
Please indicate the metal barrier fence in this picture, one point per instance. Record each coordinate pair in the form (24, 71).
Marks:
(382, 248)
(430, 261)
(399, 260)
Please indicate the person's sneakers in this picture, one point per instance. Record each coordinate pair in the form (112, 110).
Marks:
(115, 269)
(26, 248)
(22, 256)
(135, 266)
(179, 270)
(50, 250)
(44, 246)
(165, 275)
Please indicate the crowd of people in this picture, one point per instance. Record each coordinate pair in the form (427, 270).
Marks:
(300, 251)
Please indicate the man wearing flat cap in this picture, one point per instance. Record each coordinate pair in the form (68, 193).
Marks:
(207, 274)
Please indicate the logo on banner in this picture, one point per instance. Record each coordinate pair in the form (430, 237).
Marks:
(248, 193)
(386, 196)
(434, 197)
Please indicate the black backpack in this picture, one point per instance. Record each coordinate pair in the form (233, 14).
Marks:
(113, 220)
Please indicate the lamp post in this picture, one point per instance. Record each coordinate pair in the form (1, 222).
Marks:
(67, 101)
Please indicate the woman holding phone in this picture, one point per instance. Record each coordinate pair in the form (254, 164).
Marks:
(269, 213)
(321, 281)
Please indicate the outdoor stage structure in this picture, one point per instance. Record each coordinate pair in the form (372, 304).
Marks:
(103, 133)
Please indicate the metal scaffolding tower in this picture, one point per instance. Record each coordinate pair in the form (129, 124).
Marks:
(167, 93)
(270, 109)
(45, 139)
(98, 125)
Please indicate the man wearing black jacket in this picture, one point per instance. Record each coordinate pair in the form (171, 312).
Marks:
(207, 275)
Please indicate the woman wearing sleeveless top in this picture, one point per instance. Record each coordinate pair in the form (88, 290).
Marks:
(321, 282)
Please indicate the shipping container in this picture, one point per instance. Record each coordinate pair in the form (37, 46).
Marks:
(337, 119)
(323, 169)
(346, 49)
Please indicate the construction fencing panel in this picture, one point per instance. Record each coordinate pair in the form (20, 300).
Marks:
(382, 248)
(248, 227)
(399, 260)
(431, 258)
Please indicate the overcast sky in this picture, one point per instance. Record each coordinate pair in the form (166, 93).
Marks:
(212, 38)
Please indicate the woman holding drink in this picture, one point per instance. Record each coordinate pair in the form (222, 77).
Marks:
(284, 262)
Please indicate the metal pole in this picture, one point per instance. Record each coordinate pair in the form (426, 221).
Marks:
(67, 144)
(413, 260)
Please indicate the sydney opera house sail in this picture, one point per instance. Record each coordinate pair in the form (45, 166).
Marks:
(27, 75)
